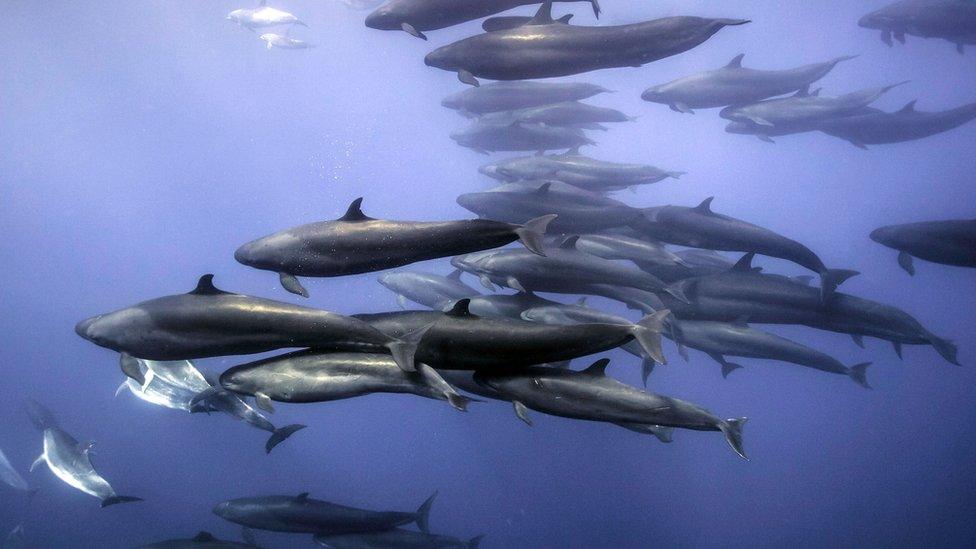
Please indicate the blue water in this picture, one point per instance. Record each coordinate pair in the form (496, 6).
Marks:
(142, 142)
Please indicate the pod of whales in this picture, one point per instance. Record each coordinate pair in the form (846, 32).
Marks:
(950, 20)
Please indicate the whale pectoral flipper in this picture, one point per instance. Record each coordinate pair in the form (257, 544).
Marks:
(467, 78)
(886, 37)
(40, 459)
(906, 262)
(522, 412)
(532, 232)
(290, 283)
(412, 31)
(432, 378)
(280, 435)
(404, 349)
(647, 366)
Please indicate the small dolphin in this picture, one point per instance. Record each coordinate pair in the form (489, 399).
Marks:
(356, 243)
(487, 136)
(950, 20)
(432, 291)
(580, 171)
(735, 85)
(576, 210)
(415, 16)
(303, 515)
(315, 376)
(570, 114)
(544, 48)
(209, 322)
(71, 462)
(510, 96)
(875, 127)
(396, 538)
(284, 42)
(592, 395)
(700, 227)
(217, 398)
(263, 16)
(951, 242)
(171, 384)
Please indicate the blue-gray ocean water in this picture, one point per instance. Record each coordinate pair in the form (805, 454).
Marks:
(142, 142)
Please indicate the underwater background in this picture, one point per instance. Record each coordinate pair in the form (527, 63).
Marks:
(142, 142)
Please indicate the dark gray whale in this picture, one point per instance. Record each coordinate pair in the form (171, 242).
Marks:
(951, 242)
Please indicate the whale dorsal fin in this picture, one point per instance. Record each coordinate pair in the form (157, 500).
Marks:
(302, 497)
(455, 275)
(205, 536)
(575, 151)
(706, 206)
(736, 62)
(569, 243)
(744, 264)
(355, 212)
(910, 107)
(565, 19)
(543, 16)
(598, 368)
(205, 286)
(803, 92)
(460, 308)
(544, 188)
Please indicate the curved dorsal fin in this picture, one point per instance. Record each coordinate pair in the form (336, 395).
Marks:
(569, 243)
(460, 308)
(565, 19)
(598, 368)
(803, 92)
(302, 497)
(205, 286)
(544, 188)
(455, 275)
(204, 536)
(706, 206)
(910, 107)
(575, 151)
(355, 212)
(736, 62)
(744, 264)
(543, 16)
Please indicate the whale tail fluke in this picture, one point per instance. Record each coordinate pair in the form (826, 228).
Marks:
(647, 332)
(946, 348)
(596, 8)
(423, 514)
(532, 232)
(405, 348)
(118, 499)
(280, 435)
(732, 429)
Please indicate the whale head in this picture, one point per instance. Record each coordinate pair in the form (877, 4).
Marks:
(237, 16)
(270, 253)
(654, 94)
(448, 58)
(386, 17)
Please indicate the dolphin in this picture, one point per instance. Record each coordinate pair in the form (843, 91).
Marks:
(203, 540)
(304, 515)
(570, 114)
(576, 210)
(262, 17)
(209, 322)
(646, 255)
(459, 340)
(798, 113)
(356, 243)
(170, 384)
(510, 96)
(567, 270)
(508, 22)
(431, 291)
(744, 294)
(700, 227)
(217, 398)
(316, 376)
(950, 242)
(488, 136)
(284, 42)
(950, 20)
(580, 171)
(735, 85)
(592, 395)
(544, 48)
(721, 339)
(416, 16)
(71, 462)
(10, 476)
(875, 127)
